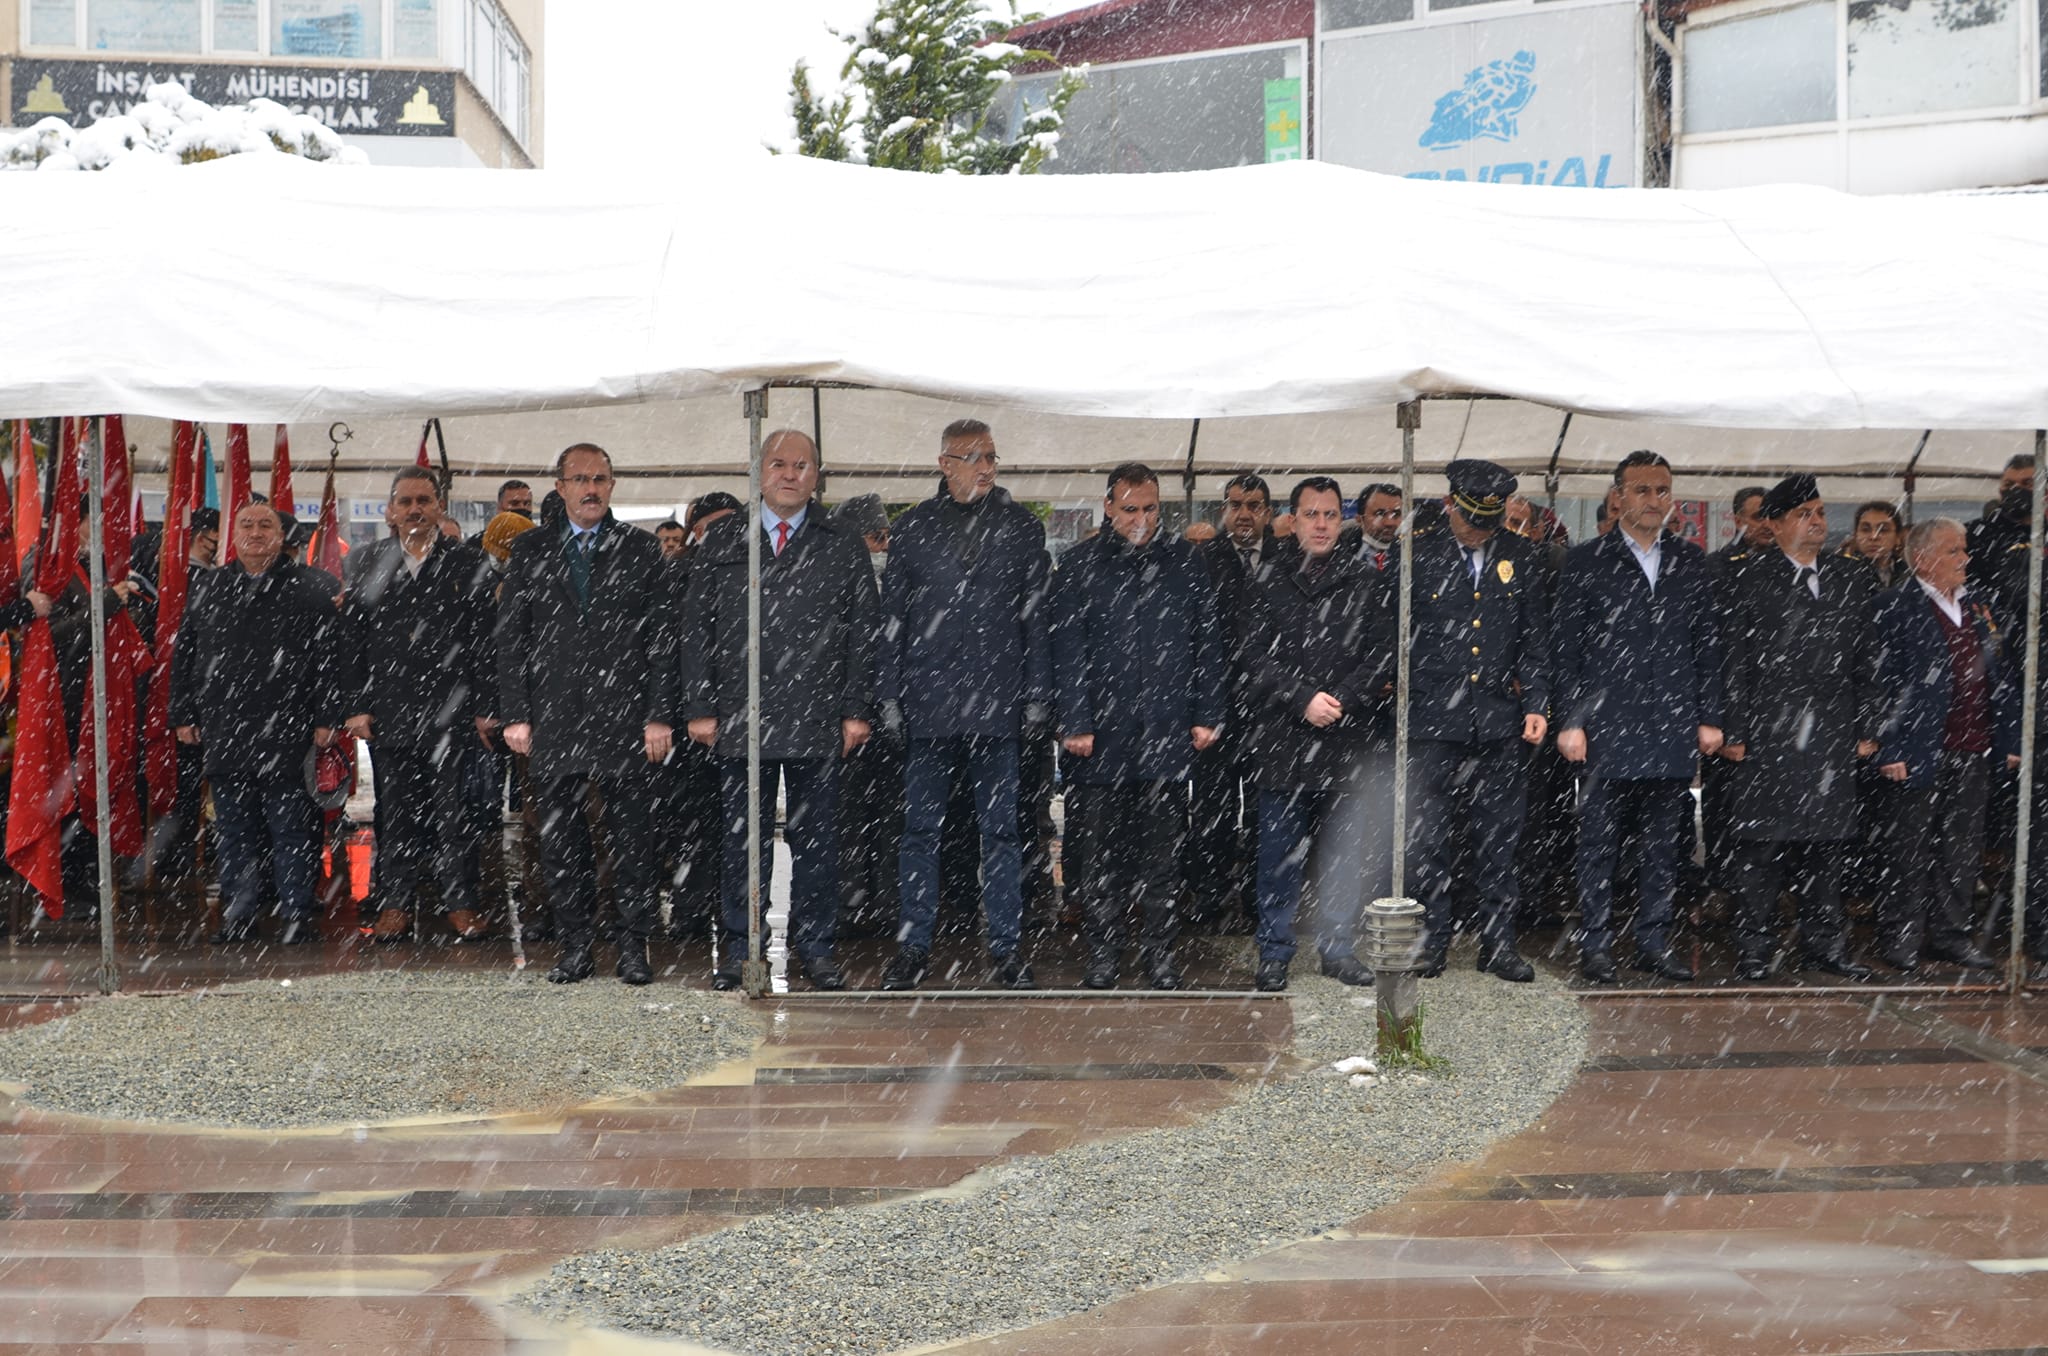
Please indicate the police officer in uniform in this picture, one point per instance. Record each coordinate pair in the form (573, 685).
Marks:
(1479, 692)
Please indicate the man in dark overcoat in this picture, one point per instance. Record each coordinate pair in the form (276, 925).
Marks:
(417, 618)
(1801, 707)
(964, 673)
(586, 689)
(1950, 717)
(818, 617)
(1139, 664)
(1479, 685)
(1638, 674)
(1315, 655)
(253, 687)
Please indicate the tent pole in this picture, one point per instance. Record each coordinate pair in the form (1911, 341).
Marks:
(1550, 472)
(2016, 965)
(754, 970)
(1912, 475)
(818, 423)
(95, 463)
(1409, 417)
(1187, 477)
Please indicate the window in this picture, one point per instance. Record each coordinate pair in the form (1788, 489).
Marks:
(415, 30)
(326, 28)
(53, 23)
(498, 64)
(1182, 114)
(1366, 13)
(1769, 70)
(142, 25)
(236, 26)
(1932, 56)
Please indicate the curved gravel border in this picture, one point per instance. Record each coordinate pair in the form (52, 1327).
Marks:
(1044, 1238)
(371, 1046)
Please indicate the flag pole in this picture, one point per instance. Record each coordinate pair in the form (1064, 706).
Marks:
(96, 564)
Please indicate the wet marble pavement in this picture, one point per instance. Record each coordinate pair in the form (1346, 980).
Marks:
(1824, 1174)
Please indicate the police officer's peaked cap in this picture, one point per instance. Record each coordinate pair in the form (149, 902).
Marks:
(1480, 489)
(1789, 494)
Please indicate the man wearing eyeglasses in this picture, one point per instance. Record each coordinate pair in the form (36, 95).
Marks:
(964, 673)
(585, 658)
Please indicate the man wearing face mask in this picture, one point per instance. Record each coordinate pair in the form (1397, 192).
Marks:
(964, 674)
(1479, 684)
(1638, 653)
(1802, 707)
(1139, 664)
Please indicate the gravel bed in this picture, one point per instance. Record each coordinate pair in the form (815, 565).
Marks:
(1042, 1238)
(371, 1046)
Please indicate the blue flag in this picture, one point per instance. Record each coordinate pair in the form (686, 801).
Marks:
(212, 497)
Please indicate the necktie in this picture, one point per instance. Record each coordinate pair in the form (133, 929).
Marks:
(584, 541)
(1809, 579)
(1245, 554)
(1379, 560)
(1478, 562)
(781, 537)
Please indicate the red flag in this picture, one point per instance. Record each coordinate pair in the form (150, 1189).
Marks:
(238, 488)
(117, 500)
(422, 458)
(10, 563)
(281, 472)
(173, 572)
(28, 502)
(128, 662)
(43, 792)
(325, 552)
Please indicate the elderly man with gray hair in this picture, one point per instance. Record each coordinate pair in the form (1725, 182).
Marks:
(1950, 711)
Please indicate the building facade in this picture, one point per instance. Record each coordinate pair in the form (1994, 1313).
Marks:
(451, 83)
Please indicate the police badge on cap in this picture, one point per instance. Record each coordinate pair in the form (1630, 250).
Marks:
(1480, 489)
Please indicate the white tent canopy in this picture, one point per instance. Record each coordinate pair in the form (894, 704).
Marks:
(1091, 318)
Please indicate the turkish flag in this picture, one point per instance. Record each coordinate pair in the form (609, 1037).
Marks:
(28, 501)
(174, 567)
(238, 488)
(326, 549)
(281, 472)
(43, 791)
(128, 662)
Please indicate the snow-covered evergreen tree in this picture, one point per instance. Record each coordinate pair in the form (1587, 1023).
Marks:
(927, 84)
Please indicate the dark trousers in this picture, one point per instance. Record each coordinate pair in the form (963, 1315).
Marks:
(174, 838)
(569, 858)
(1340, 842)
(1222, 839)
(1717, 815)
(870, 838)
(811, 789)
(1934, 854)
(1122, 847)
(992, 767)
(1650, 815)
(424, 824)
(1812, 871)
(269, 839)
(1485, 781)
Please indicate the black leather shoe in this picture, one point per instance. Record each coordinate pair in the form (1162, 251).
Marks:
(1966, 955)
(906, 969)
(823, 973)
(1161, 973)
(1348, 969)
(1753, 969)
(1664, 966)
(1836, 965)
(1012, 973)
(725, 981)
(1597, 967)
(2037, 975)
(1272, 977)
(633, 967)
(1504, 962)
(300, 932)
(1101, 973)
(574, 967)
(233, 935)
(1433, 963)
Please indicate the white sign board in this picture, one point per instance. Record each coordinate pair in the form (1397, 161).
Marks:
(1535, 98)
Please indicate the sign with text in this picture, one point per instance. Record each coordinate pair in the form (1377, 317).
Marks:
(1542, 98)
(354, 100)
(1283, 120)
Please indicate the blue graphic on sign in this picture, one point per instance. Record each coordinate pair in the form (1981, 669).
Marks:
(1486, 106)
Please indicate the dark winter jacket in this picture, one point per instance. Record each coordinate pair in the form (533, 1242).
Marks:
(1917, 678)
(256, 668)
(818, 621)
(964, 626)
(1328, 633)
(1638, 671)
(1138, 655)
(1480, 659)
(1800, 692)
(587, 679)
(422, 663)
(1235, 589)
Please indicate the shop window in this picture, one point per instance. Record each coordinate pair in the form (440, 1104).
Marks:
(1198, 113)
(1932, 56)
(1768, 70)
(142, 25)
(236, 26)
(415, 30)
(53, 23)
(327, 28)
(1366, 13)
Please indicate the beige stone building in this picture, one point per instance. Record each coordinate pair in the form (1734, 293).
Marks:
(453, 83)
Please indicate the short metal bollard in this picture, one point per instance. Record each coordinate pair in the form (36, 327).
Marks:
(1393, 948)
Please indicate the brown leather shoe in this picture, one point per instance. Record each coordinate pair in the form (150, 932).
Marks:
(392, 925)
(468, 923)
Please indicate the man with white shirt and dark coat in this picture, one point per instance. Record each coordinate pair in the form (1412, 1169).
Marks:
(586, 690)
(1950, 717)
(1638, 670)
(964, 674)
(1801, 708)
(818, 616)
(1479, 693)
(1140, 670)
(1379, 524)
(418, 614)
